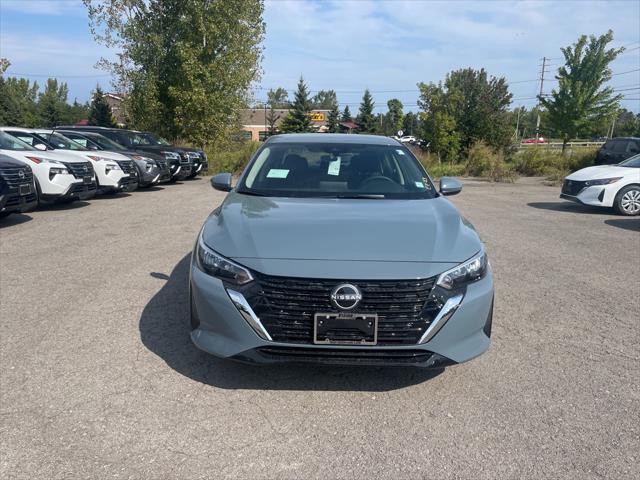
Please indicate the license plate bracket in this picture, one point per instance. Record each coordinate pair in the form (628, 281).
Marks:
(345, 329)
(24, 189)
(87, 180)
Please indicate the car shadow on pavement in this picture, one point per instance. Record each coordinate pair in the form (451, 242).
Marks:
(164, 330)
(110, 196)
(14, 219)
(632, 224)
(52, 207)
(153, 188)
(570, 207)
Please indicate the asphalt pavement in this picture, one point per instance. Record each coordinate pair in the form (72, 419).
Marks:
(98, 377)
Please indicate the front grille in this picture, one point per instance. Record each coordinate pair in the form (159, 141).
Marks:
(162, 165)
(127, 166)
(573, 187)
(350, 357)
(286, 306)
(81, 188)
(15, 200)
(80, 169)
(184, 158)
(15, 176)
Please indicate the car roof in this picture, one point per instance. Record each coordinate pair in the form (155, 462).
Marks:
(18, 129)
(624, 138)
(346, 138)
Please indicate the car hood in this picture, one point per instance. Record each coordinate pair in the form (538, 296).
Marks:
(602, 171)
(22, 155)
(360, 230)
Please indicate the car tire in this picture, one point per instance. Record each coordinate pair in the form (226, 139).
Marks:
(627, 201)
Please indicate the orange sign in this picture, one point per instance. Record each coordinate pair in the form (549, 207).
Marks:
(317, 116)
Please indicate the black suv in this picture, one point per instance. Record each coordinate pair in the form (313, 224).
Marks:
(17, 190)
(152, 168)
(179, 161)
(616, 150)
(198, 158)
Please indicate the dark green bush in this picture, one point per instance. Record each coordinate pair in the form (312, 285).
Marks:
(542, 162)
(486, 162)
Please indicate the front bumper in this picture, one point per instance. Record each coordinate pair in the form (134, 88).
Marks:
(595, 196)
(12, 202)
(75, 191)
(220, 329)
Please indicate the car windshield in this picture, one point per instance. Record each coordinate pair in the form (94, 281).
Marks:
(134, 138)
(7, 142)
(336, 170)
(631, 162)
(104, 142)
(155, 140)
(60, 141)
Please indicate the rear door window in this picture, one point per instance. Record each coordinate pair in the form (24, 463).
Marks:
(620, 146)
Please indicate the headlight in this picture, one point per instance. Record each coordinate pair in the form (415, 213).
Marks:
(602, 181)
(217, 266)
(467, 272)
(171, 155)
(112, 166)
(53, 171)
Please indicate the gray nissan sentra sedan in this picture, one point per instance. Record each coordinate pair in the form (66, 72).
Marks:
(339, 249)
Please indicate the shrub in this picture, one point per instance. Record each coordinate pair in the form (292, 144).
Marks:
(233, 158)
(534, 161)
(486, 162)
(437, 170)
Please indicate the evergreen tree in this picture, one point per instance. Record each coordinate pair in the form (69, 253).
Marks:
(395, 116)
(77, 111)
(52, 104)
(298, 121)
(333, 121)
(100, 113)
(346, 114)
(366, 120)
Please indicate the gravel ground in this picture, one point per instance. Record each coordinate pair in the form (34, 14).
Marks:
(99, 379)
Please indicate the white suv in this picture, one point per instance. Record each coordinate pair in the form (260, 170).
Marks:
(114, 171)
(57, 177)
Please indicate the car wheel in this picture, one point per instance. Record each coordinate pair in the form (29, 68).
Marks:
(627, 200)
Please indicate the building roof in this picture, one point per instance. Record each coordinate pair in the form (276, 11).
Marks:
(333, 138)
(260, 116)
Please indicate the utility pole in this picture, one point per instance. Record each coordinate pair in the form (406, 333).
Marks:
(518, 123)
(542, 72)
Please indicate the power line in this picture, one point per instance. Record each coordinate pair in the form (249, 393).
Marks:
(57, 76)
(623, 73)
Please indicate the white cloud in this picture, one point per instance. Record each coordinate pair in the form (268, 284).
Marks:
(350, 45)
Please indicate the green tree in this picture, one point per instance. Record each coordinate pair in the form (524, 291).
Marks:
(18, 100)
(410, 124)
(333, 120)
(346, 114)
(438, 125)
(395, 116)
(478, 103)
(100, 113)
(582, 98)
(325, 100)
(366, 120)
(77, 111)
(272, 120)
(186, 65)
(52, 103)
(298, 121)
(278, 98)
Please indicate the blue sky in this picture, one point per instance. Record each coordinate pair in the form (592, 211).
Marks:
(387, 46)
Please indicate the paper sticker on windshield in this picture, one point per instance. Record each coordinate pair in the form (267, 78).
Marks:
(419, 184)
(399, 152)
(334, 167)
(278, 173)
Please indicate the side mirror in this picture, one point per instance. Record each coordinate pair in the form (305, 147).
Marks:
(222, 182)
(40, 146)
(450, 186)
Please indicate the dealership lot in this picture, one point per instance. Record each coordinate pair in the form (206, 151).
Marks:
(98, 377)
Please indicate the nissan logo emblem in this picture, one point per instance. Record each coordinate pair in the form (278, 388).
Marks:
(21, 174)
(85, 168)
(346, 296)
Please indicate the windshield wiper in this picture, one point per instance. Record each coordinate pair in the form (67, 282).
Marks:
(362, 195)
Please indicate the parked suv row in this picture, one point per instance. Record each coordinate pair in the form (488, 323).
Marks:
(40, 166)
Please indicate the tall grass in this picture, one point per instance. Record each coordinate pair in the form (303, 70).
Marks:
(231, 158)
(540, 162)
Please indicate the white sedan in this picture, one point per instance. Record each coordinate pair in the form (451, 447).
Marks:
(616, 186)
